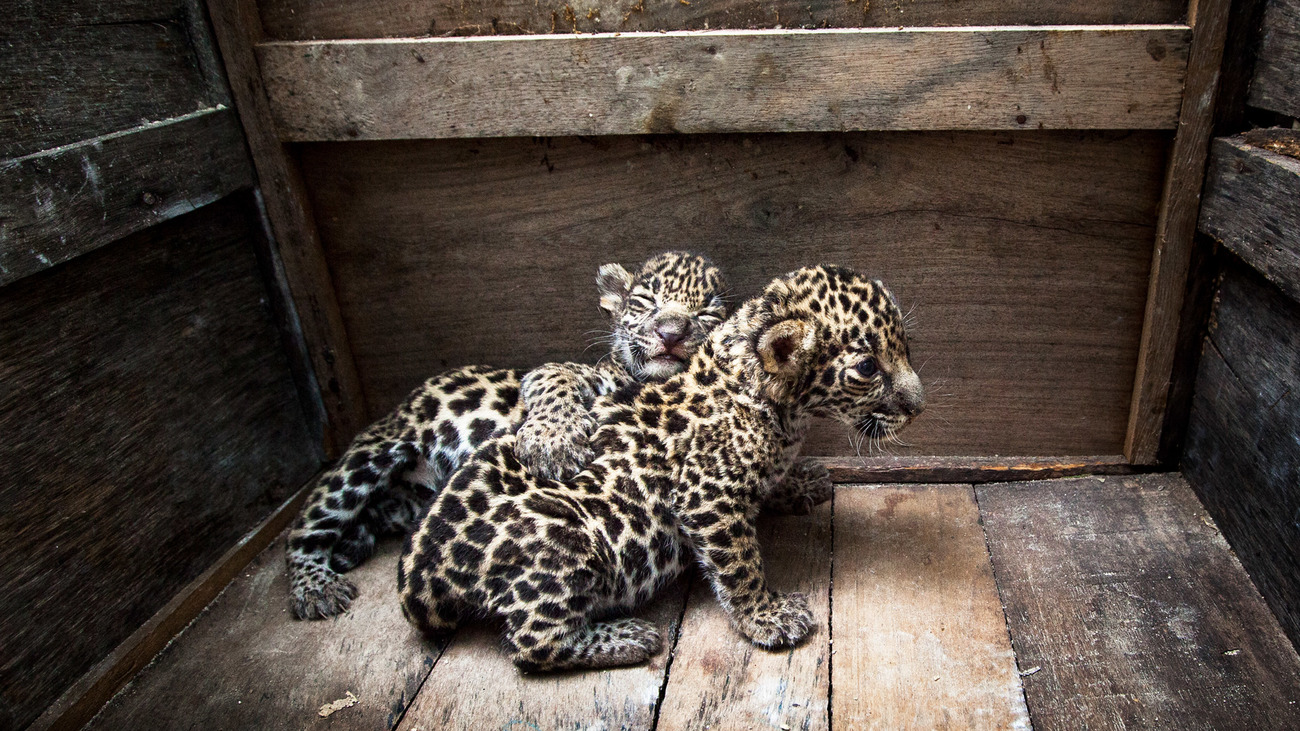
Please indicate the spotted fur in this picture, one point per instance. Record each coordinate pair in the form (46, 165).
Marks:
(395, 467)
(682, 469)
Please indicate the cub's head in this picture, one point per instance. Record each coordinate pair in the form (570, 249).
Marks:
(662, 313)
(832, 342)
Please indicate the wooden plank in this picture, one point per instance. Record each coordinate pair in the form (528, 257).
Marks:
(475, 686)
(1023, 257)
(1067, 77)
(920, 640)
(61, 203)
(1275, 85)
(236, 27)
(79, 72)
(875, 470)
(1134, 610)
(245, 664)
(1174, 232)
(1252, 206)
(83, 700)
(720, 681)
(1241, 453)
(335, 19)
(148, 419)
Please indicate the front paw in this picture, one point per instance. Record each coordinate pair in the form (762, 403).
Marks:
(783, 621)
(326, 595)
(816, 484)
(548, 450)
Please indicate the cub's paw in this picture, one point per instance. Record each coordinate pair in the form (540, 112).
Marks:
(328, 596)
(816, 485)
(784, 621)
(623, 642)
(553, 449)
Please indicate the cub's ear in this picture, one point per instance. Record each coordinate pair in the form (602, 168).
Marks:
(786, 347)
(613, 282)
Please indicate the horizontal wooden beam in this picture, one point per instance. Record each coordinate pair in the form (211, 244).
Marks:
(66, 201)
(969, 469)
(1252, 206)
(1003, 77)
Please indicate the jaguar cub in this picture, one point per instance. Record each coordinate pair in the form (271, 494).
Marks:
(395, 467)
(682, 469)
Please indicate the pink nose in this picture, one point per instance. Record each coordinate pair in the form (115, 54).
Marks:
(672, 331)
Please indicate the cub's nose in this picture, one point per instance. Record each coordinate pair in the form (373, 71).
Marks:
(911, 396)
(672, 330)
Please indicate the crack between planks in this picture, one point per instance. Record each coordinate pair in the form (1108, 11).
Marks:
(1002, 602)
(397, 721)
(672, 651)
(830, 624)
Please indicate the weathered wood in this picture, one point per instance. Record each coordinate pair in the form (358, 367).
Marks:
(474, 685)
(147, 420)
(75, 73)
(920, 640)
(1252, 206)
(1241, 453)
(1174, 232)
(237, 28)
(246, 664)
(1276, 85)
(61, 203)
(1113, 77)
(1123, 595)
(719, 680)
(875, 470)
(1023, 257)
(83, 700)
(334, 19)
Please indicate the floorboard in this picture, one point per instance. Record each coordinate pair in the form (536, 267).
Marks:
(1123, 595)
(920, 640)
(720, 681)
(245, 664)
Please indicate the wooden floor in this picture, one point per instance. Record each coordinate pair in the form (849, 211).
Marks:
(1093, 603)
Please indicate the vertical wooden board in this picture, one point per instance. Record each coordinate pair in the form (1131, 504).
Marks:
(920, 640)
(474, 685)
(1023, 257)
(148, 419)
(247, 664)
(719, 680)
(1276, 85)
(320, 19)
(77, 72)
(1137, 614)
(1242, 456)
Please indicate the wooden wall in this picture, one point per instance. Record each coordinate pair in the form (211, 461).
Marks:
(1023, 256)
(149, 411)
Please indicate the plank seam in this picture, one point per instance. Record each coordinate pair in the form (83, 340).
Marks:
(830, 625)
(672, 651)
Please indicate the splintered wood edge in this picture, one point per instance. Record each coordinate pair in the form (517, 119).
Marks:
(970, 470)
(79, 704)
(992, 77)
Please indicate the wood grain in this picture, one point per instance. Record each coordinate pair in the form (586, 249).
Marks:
(236, 27)
(1115, 77)
(61, 203)
(82, 71)
(920, 640)
(84, 699)
(1241, 453)
(475, 686)
(719, 680)
(246, 664)
(148, 419)
(1134, 609)
(874, 470)
(325, 19)
(1252, 206)
(1275, 85)
(1174, 232)
(1023, 257)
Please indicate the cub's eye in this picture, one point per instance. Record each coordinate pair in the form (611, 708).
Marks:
(644, 303)
(866, 367)
(709, 317)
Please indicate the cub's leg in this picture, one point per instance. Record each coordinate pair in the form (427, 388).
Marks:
(807, 485)
(355, 546)
(553, 640)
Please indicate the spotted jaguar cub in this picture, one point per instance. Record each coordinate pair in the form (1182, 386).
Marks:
(394, 468)
(682, 469)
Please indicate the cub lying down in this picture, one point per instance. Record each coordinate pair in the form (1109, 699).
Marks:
(681, 470)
